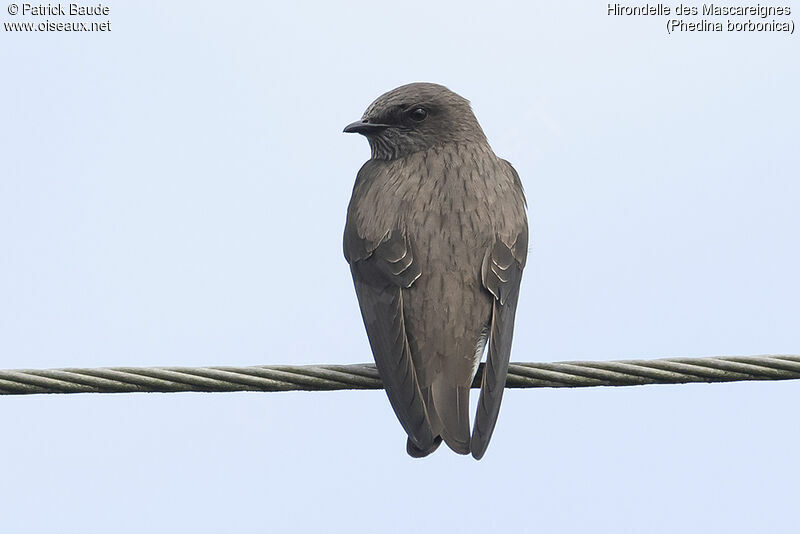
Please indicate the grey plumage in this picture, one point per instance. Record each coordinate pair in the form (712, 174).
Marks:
(436, 238)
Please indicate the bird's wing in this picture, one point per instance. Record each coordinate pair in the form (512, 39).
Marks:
(381, 271)
(501, 273)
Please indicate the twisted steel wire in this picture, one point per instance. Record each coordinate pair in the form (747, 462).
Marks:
(365, 376)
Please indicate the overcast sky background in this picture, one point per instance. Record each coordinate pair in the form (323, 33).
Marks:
(173, 192)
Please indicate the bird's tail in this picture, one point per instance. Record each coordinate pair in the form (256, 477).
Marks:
(448, 412)
(450, 404)
(416, 452)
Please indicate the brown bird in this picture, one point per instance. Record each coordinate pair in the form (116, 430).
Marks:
(436, 238)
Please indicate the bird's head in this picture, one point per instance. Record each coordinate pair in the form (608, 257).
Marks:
(416, 117)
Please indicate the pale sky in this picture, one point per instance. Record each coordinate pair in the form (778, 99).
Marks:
(174, 192)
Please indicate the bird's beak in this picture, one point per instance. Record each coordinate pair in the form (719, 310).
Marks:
(365, 128)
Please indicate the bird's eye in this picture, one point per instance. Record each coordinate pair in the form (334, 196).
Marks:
(418, 114)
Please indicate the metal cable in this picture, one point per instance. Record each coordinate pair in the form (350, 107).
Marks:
(365, 376)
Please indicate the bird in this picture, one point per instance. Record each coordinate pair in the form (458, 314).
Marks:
(436, 237)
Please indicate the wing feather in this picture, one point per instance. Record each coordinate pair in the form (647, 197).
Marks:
(501, 274)
(381, 272)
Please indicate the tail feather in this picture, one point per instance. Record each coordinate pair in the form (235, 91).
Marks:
(451, 405)
(416, 452)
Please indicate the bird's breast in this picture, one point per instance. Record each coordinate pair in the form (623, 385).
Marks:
(446, 195)
(447, 199)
